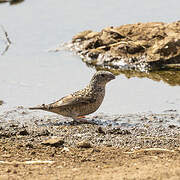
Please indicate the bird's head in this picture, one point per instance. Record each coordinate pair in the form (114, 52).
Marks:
(100, 78)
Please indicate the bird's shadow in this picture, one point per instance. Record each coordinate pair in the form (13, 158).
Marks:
(70, 123)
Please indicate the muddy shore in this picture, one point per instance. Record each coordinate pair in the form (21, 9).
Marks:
(40, 145)
(142, 46)
(43, 146)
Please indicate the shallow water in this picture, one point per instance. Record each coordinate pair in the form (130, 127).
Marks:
(31, 75)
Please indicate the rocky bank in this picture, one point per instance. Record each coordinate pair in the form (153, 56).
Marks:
(142, 46)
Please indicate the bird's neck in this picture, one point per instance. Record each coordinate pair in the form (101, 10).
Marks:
(95, 87)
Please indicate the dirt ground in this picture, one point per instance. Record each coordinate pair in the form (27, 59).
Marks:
(131, 146)
(85, 163)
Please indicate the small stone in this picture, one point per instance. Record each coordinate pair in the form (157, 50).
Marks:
(33, 153)
(172, 126)
(55, 141)
(23, 132)
(65, 149)
(29, 145)
(108, 145)
(19, 146)
(84, 144)
(101, 130)
(8, 171)
(43, 132)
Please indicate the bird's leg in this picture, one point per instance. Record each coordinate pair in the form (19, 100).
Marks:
(80, 117)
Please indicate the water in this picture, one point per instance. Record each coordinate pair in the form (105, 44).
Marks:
(31, 75)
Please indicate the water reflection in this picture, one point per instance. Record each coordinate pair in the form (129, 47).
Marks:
(171, 77)
(1, 102)
(11, 2)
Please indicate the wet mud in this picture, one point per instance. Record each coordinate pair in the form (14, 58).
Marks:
(140, 130)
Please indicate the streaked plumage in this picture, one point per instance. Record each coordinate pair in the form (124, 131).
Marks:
(82, 102)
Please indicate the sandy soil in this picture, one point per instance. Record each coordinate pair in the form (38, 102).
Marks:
(52, 149)
(86, 163)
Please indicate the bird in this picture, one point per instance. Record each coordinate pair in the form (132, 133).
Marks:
(83, 102)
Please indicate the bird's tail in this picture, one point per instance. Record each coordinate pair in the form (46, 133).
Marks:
(40, 107)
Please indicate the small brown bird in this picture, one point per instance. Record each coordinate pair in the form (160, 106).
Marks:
(82, 102)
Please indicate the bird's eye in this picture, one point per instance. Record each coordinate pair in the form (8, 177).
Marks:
(102, 75)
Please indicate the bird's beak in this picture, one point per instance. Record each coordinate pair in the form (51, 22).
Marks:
(112, 77)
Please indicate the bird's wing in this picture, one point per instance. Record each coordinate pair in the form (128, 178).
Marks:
(72, 100)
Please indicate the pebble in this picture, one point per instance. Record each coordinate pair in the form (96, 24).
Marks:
(54, 141)
(84, 144)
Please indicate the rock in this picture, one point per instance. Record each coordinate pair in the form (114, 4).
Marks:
(84, 144)
(141, 46)
(54, 141)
